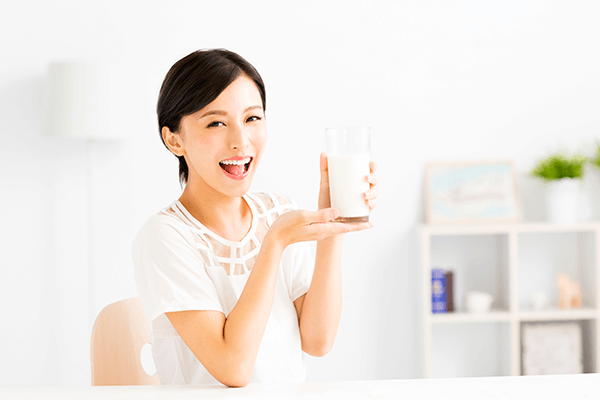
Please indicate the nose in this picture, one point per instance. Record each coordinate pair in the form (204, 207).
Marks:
(238, 137)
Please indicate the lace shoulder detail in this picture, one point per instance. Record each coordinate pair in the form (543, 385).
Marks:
(235, 257)
(271, 205)
(178, 213)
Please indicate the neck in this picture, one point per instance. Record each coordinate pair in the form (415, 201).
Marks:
(228, 217)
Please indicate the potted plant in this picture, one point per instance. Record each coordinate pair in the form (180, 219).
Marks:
(563, 176)
(595, 160)
(593, 185)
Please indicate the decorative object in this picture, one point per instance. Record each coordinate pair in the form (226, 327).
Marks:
(592, 185)
(564, 178)
(76, 107)
(558, 166)
(539, 301)
(569, 292)
(562, 200)
(76, 101)
(595, 160)
(449, 275)
(507, 271)
(478, 302)
(438, 291)
(471, 192)
(554, 348)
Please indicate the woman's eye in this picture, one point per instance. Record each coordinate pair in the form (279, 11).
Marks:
(253, 118)
(215, 124)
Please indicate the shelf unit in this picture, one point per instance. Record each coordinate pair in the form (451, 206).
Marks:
(507, 313)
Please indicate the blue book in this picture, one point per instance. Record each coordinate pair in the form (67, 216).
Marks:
(438, 291)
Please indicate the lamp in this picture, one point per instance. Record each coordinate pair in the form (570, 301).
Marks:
(76, 101)
(76, 105)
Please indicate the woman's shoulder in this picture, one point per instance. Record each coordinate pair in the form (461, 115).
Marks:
(164, 225)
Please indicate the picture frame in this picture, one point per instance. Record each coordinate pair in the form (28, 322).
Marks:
(471, 192)
(552, 348)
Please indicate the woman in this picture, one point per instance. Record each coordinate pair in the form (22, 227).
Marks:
(226, 277)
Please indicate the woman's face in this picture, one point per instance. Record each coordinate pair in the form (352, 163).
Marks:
(224, 141)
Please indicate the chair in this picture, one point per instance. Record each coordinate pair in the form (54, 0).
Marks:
(119, 333)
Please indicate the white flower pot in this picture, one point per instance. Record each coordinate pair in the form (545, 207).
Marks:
(563, 200)
(592, 191)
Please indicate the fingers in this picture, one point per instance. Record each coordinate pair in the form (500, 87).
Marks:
(332, 228)
(372, 179)
(327, 215)
(373, 166)
(371, 194)
(372, 204)
(370, 197)
(323, 162)
(324, 170)
(336, 228)
(325, 221)
(319, 217)
(317, 225)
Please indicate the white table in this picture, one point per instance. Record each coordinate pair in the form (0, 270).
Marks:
(585, 386)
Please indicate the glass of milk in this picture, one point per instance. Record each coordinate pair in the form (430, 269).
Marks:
(348, 157)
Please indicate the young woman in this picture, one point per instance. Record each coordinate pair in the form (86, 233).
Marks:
(226, 277)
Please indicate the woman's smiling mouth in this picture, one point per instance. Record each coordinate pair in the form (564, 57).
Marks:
(236, 167)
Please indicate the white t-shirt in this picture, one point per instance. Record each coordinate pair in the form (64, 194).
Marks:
(181, 265)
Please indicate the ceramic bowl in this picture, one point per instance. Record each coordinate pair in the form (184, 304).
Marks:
(478, 302)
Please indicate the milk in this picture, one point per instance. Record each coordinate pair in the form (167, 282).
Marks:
(347, 183)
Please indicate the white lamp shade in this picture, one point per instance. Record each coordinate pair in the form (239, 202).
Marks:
(76, 101)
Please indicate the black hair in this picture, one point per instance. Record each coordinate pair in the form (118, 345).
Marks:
(194, 82)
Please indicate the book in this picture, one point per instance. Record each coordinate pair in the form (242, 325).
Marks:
(438, 291)
(449, 291)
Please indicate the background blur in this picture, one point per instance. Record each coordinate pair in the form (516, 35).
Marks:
(462, 80)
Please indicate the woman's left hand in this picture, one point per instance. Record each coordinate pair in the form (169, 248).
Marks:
(373, 193)
(324, 199)
(369, 196)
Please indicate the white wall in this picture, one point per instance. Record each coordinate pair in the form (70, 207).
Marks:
(435, 80)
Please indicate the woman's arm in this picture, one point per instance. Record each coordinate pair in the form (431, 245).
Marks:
(227, 347)
(320, 309)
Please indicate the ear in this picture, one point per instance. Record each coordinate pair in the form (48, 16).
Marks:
(173, 141)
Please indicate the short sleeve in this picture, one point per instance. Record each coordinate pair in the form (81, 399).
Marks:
(297, 259)
(169, 271)
(298, 265)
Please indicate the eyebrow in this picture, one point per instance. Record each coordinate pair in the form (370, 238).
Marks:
(221, 112)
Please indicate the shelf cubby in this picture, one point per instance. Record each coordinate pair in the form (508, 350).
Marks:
(511, 262)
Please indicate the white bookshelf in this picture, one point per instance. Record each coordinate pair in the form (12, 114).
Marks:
(512, 243)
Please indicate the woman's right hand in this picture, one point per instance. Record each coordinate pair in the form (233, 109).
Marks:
(303, 225)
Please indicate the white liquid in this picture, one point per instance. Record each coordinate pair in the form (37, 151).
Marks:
(347, 183)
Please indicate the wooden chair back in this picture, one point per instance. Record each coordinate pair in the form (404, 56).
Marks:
(119, 333)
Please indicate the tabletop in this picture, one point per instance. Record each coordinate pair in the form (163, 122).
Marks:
(581, 386)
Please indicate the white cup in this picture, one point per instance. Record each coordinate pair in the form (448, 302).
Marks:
(478, 302)
(348, 157)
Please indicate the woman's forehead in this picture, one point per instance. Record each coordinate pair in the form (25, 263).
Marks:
(240, 95)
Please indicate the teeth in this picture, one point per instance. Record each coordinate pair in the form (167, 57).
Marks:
(232, 162)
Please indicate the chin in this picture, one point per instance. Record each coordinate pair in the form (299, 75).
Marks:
(240, 189)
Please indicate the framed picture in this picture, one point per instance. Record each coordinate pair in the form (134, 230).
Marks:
(552, 348)
(471, 192)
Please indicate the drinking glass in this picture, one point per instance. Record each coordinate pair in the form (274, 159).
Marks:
(348, 157)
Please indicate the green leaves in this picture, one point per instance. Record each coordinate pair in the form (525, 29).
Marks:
(558, 166)
(596, 159)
